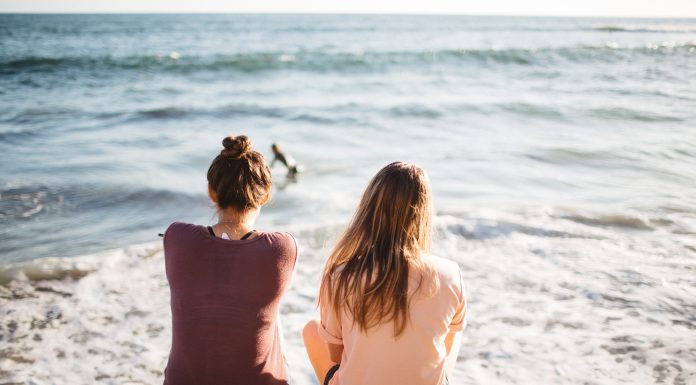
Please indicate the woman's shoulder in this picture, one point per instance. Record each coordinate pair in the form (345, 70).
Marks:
(179, 228)
(280, 235)
(182, 233)
(447, 285)
(283, 240)
(447, 270)
(443, 266)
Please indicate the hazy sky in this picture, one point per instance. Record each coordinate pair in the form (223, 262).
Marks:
(638, 8)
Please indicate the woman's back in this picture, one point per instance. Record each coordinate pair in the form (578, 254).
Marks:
(390, 312)
(417, 355)
(225, 297)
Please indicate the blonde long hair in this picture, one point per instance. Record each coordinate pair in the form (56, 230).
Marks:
(367, 272)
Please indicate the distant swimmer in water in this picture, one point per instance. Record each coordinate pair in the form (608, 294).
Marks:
(286, 160)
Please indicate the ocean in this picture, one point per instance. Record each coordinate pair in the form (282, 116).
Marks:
(561, 152)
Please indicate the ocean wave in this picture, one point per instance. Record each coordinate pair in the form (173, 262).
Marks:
(449, 228)
(609, 220)
(119, 294)
(563, 112)
(482, 227)
(164, 112)
(530, 109)
(33, 62)
(26, 123)
(330, 115)
(416, 110)
(17, 135)
(561, 222)
(23, 202)
(327, 61)
(350, 114)
(49, 269)
(620, 113)
(226, 111)
(575, 156)
(664, 28)
(484, 230)
(322, 117)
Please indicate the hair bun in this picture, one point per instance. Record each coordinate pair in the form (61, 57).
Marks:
(236, 146)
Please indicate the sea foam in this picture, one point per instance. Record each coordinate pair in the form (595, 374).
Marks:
(551, 300)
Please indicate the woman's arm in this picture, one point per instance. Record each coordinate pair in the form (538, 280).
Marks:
(335, 353)
(323, 355)
(453, 341)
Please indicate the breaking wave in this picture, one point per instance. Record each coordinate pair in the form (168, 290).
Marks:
(327, 61)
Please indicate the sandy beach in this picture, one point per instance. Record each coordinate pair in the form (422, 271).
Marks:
(604, 324)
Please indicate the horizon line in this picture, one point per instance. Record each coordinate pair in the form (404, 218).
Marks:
(290, 13)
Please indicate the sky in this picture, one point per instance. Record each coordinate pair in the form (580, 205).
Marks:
(626, 8)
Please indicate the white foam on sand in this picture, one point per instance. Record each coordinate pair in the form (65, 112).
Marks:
(552, 301)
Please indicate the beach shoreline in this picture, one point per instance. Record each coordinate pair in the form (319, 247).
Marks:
(112, 325)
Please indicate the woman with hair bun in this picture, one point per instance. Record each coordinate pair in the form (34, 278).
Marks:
(227, 280)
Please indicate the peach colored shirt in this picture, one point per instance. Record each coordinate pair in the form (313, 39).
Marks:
(417, 356)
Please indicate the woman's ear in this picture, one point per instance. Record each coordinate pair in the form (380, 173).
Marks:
(212, 194)
(265, 198)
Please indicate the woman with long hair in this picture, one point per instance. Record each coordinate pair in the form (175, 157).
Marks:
(390, 312)
(226, 281)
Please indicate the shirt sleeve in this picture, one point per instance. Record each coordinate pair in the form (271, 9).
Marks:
(329, 328)
(296, 245)
(168, 238)
(459, 320)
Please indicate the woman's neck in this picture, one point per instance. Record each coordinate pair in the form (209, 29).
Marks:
(238, 219)
(235, 224)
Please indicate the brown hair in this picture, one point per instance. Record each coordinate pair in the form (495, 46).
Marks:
(367, 271)
(239, 176)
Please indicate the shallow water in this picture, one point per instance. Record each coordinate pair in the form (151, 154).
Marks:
(561, 154)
